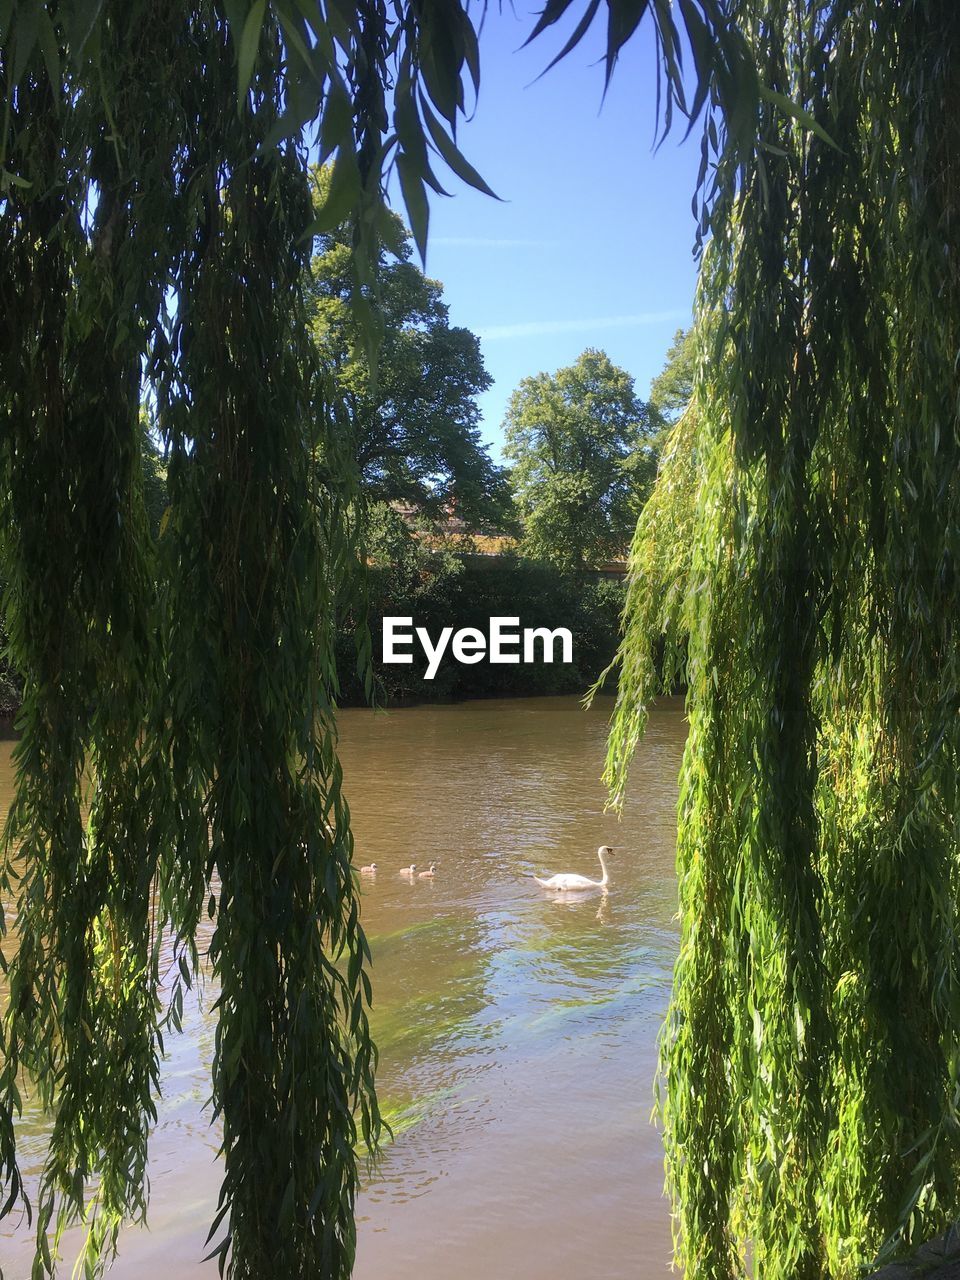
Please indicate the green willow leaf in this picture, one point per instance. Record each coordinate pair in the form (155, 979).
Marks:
(26, 29)
(50, 50)
(247, 48)
(415, 200)
(552, 12)
(341, 196)
(797, 113)
(452, 155)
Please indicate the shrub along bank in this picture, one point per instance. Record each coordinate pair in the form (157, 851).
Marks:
(443, 589)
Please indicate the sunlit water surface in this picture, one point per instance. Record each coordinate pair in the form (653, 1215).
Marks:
(517, 1031)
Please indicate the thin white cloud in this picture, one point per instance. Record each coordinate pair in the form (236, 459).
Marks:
(490, 242)
(538, 328)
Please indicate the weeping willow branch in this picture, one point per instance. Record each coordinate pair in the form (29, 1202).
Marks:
(82, 1008)
(177, 720)
(811, 1052)
(178, 751)
(253, 596)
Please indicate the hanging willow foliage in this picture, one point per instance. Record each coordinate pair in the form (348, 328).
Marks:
(178, 742)
(812, 1052)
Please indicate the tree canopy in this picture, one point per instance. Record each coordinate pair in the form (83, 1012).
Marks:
(672, 388)
(413, 415)
(579, 441)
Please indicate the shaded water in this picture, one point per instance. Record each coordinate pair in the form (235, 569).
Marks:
(517, 1031)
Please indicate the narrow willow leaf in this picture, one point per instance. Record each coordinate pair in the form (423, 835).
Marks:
(552, 12)
(51, 52)
(341, 196)
(247, 48)
(581, 29)
(797, 113)
(452, 155)
(25, 31)
(415, 200)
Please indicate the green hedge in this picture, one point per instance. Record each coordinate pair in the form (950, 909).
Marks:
(467, 593)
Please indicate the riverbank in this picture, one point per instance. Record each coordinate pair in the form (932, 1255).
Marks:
(458, 594)
(441, 589)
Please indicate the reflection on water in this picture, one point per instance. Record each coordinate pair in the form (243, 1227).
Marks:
(517, 1029)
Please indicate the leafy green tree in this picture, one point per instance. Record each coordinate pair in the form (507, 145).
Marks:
(583, 462)
(413, 414)
(672, 388)
(408, 567)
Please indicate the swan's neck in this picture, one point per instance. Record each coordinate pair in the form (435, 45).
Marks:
(603, 867)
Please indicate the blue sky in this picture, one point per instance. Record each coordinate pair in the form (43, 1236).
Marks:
(592, 245)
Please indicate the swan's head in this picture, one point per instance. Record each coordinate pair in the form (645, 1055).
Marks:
(606, 849)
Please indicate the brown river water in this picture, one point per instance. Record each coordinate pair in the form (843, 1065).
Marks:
(517, 1031)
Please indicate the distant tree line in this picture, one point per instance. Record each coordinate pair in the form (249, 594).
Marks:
(585, 451)
(438, 586)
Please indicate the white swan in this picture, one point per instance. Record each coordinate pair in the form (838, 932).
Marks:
(427, 875)
(371, 870)
(570, 880)
(408, 871)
